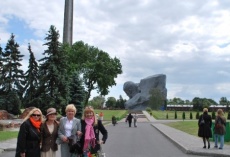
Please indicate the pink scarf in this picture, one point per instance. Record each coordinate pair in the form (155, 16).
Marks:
(89, 133)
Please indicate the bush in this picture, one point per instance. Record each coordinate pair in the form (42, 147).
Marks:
(197, 115)
(175, 115)
(167, 116)
(183, 115)
(228, 115)
(213, 115)
(191, 117)
(148, 109)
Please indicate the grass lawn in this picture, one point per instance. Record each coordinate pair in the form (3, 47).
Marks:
(109, 113)
(5, 135)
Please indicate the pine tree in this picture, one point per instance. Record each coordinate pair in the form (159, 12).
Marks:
(77, 94)
(31, 77)
(54, 82)
(12, 76)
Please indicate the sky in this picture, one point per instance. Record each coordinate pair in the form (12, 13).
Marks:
(187, 40)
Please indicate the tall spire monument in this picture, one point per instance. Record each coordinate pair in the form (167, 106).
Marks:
(68, 22)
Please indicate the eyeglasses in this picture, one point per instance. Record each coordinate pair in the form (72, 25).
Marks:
(36, 115)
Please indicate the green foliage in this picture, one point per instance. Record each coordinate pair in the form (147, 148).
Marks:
(167, 116)
(6, 135)
(175, 115)
(156, 99)
(197, 115)
(191, 116)
(228, 115)
(120, 104)
(183, 115)
(98, 68)
(31, 79)
(213, 115)
(200, 103)
(110, 103)
(97, 102)
(148, 109)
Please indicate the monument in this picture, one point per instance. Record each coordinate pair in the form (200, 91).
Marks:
(68, 22)
(138, 93)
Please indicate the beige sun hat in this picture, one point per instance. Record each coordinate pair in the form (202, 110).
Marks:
(50, 111)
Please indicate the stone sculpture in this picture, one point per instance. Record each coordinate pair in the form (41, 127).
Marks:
(138, 93)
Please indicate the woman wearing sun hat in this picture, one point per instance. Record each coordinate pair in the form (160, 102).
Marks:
(49, 132)
(29, 136)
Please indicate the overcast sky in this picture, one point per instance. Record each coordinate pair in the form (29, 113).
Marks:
(187, 40)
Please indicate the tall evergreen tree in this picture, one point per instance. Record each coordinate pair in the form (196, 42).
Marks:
(53, 77)
(12, 76)
(77, 94)
(31, 77)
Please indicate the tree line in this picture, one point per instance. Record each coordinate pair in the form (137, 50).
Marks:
(65, 74)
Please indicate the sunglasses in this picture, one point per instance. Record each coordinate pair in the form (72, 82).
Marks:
(36, 115)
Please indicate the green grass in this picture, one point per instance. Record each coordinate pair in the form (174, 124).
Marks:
(109, 113)
(6, 135)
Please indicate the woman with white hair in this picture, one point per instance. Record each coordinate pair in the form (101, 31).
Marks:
(69, 126)
(29, 136)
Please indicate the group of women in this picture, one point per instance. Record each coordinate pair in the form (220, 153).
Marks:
(39, 138)
(205, 128)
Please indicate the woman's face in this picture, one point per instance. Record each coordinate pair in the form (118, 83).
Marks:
(70, 113)
(52, 117)
(89, 114)
(36, 115)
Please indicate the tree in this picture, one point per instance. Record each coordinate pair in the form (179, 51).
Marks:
(12, 76)
(111, 102)
(77, 94)
(53, 78)
(156, 99)
(120, 104)
(175, 115)
(31, 78)
(97, 102)
(223, 101)
(99, 70)
(191, 117)
(183, 115)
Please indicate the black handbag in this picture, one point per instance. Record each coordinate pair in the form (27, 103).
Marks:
(74, 145)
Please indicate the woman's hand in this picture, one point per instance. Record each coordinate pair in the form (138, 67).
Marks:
(100, 142)
(79, 133)
(65, 139)
(22, 154)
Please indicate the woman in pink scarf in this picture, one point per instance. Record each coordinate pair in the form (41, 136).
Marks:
(90, 129)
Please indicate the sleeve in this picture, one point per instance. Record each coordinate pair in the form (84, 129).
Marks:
(22, 137)
(60, 134)
(79, 125)
(103, 131)
(199, 121)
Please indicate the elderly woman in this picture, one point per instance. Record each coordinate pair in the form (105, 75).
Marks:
(29, 136)
(49, 132)
(205, 128)
(219, 128)
(69, 126)
(91, 128)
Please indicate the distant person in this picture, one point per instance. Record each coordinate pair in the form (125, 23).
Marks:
(69, 127)
(101, 115)
(205, 128)
(129, 119)
(135, 117)
(29, 136)
(49, 132)
(219, 128)
(91, 129)
(114, 121)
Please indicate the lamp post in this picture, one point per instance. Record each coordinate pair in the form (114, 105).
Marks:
(68, 22)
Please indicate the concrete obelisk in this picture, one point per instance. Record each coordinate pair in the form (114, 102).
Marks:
(68, 22)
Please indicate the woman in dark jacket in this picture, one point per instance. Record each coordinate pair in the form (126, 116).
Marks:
(205, 128)
(129, 119)
(29, 136)
(49, 131)
(91, 128)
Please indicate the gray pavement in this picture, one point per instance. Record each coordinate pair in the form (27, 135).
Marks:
(189, 144)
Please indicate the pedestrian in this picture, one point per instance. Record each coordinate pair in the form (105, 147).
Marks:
(129, 119)
(97, 115)
(101, 116)
(69, 127)
(135, 117)
(29, 136)
(205, 124)
(114, 121)
(49, 131)
(91, 128)
(219, 128)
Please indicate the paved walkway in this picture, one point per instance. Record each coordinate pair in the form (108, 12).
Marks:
(187, 143)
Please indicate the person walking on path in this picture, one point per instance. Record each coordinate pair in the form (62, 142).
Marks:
(29, 136)
(91, 129)
(101, 116)
(49, 131)
(205, 125)
(114, 121)
(135, 117)
(219, 128)
(69, 126)
(129, 119)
